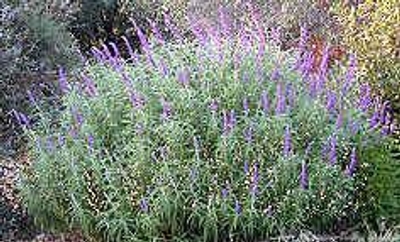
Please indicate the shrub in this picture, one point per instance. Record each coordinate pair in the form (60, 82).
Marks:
(371, 30)
(223, 138)
(32, 44)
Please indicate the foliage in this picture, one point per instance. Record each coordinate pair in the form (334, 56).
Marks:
(371, 30)
(223, 138)
(33, 43)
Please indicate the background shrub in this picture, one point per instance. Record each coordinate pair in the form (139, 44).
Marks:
(33, 44)
(224, 138)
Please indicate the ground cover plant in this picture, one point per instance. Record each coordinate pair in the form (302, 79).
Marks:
(224, 138)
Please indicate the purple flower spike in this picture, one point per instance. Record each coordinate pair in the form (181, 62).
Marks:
(246, 108)
(275, 75)
(374, 120)
(156, 32)
(276, 36)
(90, 140)
(254, 179)
(246, 167)
(304, 176)
(224, 193)
(350, 74)
(224, 20)
(62, 79)
(214, 106)
(184, 77)
(238, 208)
(163, 68)
(248, 134)
(50, 144)
(31, 97)
(172, 27)
(365, 99)
(129, 47)
(115, 49)
(323, 68)
(339, 120)
(144, 206)
(166, 110)
(350, 169)
(331, 101)
(332, 150)
(287, 143)
(90, 87)
(61, 140)
(280, 100)
(265, 102)
(229, 122)
(142, 37)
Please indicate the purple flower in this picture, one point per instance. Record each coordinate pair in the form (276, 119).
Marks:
(197, 30)
(62, 79)
(31, 97)
(142, 37)
(307, 65)
(224, 193)
(350, 169)
(78, 117)
(254, 179)
(163, 68)
(184, 77)
(246, 167)
(90, 139)
(98, 55)
(280, 100)
(174, 30)
(287, 143)
(246, 106)
(248, 134)
(332, 150)
(61, 140)
(350, 74)
(323, 68)
(136, 100)
(275, 75)
(339, 120)
(265, 102)
(290, 95)
(129, 47)
(374, 120)
(115, 49)
(229, 122)
(50, 144)
(238, 208)
(275, 36)
(166, 109)
(354, 127)
(90, 87)
(365, 97)
(224, 20)
(144, 206)
(304, 176)
(213, 106)
(156, 32)
(331, 100)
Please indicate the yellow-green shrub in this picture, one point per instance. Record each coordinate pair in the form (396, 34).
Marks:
(372, 31)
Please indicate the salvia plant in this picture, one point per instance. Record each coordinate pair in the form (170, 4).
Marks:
(222, 138)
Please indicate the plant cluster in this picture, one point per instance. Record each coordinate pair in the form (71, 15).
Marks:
(32, 43)
(224, 138)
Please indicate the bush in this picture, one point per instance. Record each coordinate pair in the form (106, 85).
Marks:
(371, 30)
(33, 43)
(214, 140)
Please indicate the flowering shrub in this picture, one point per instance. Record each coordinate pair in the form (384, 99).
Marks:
(223, 138)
